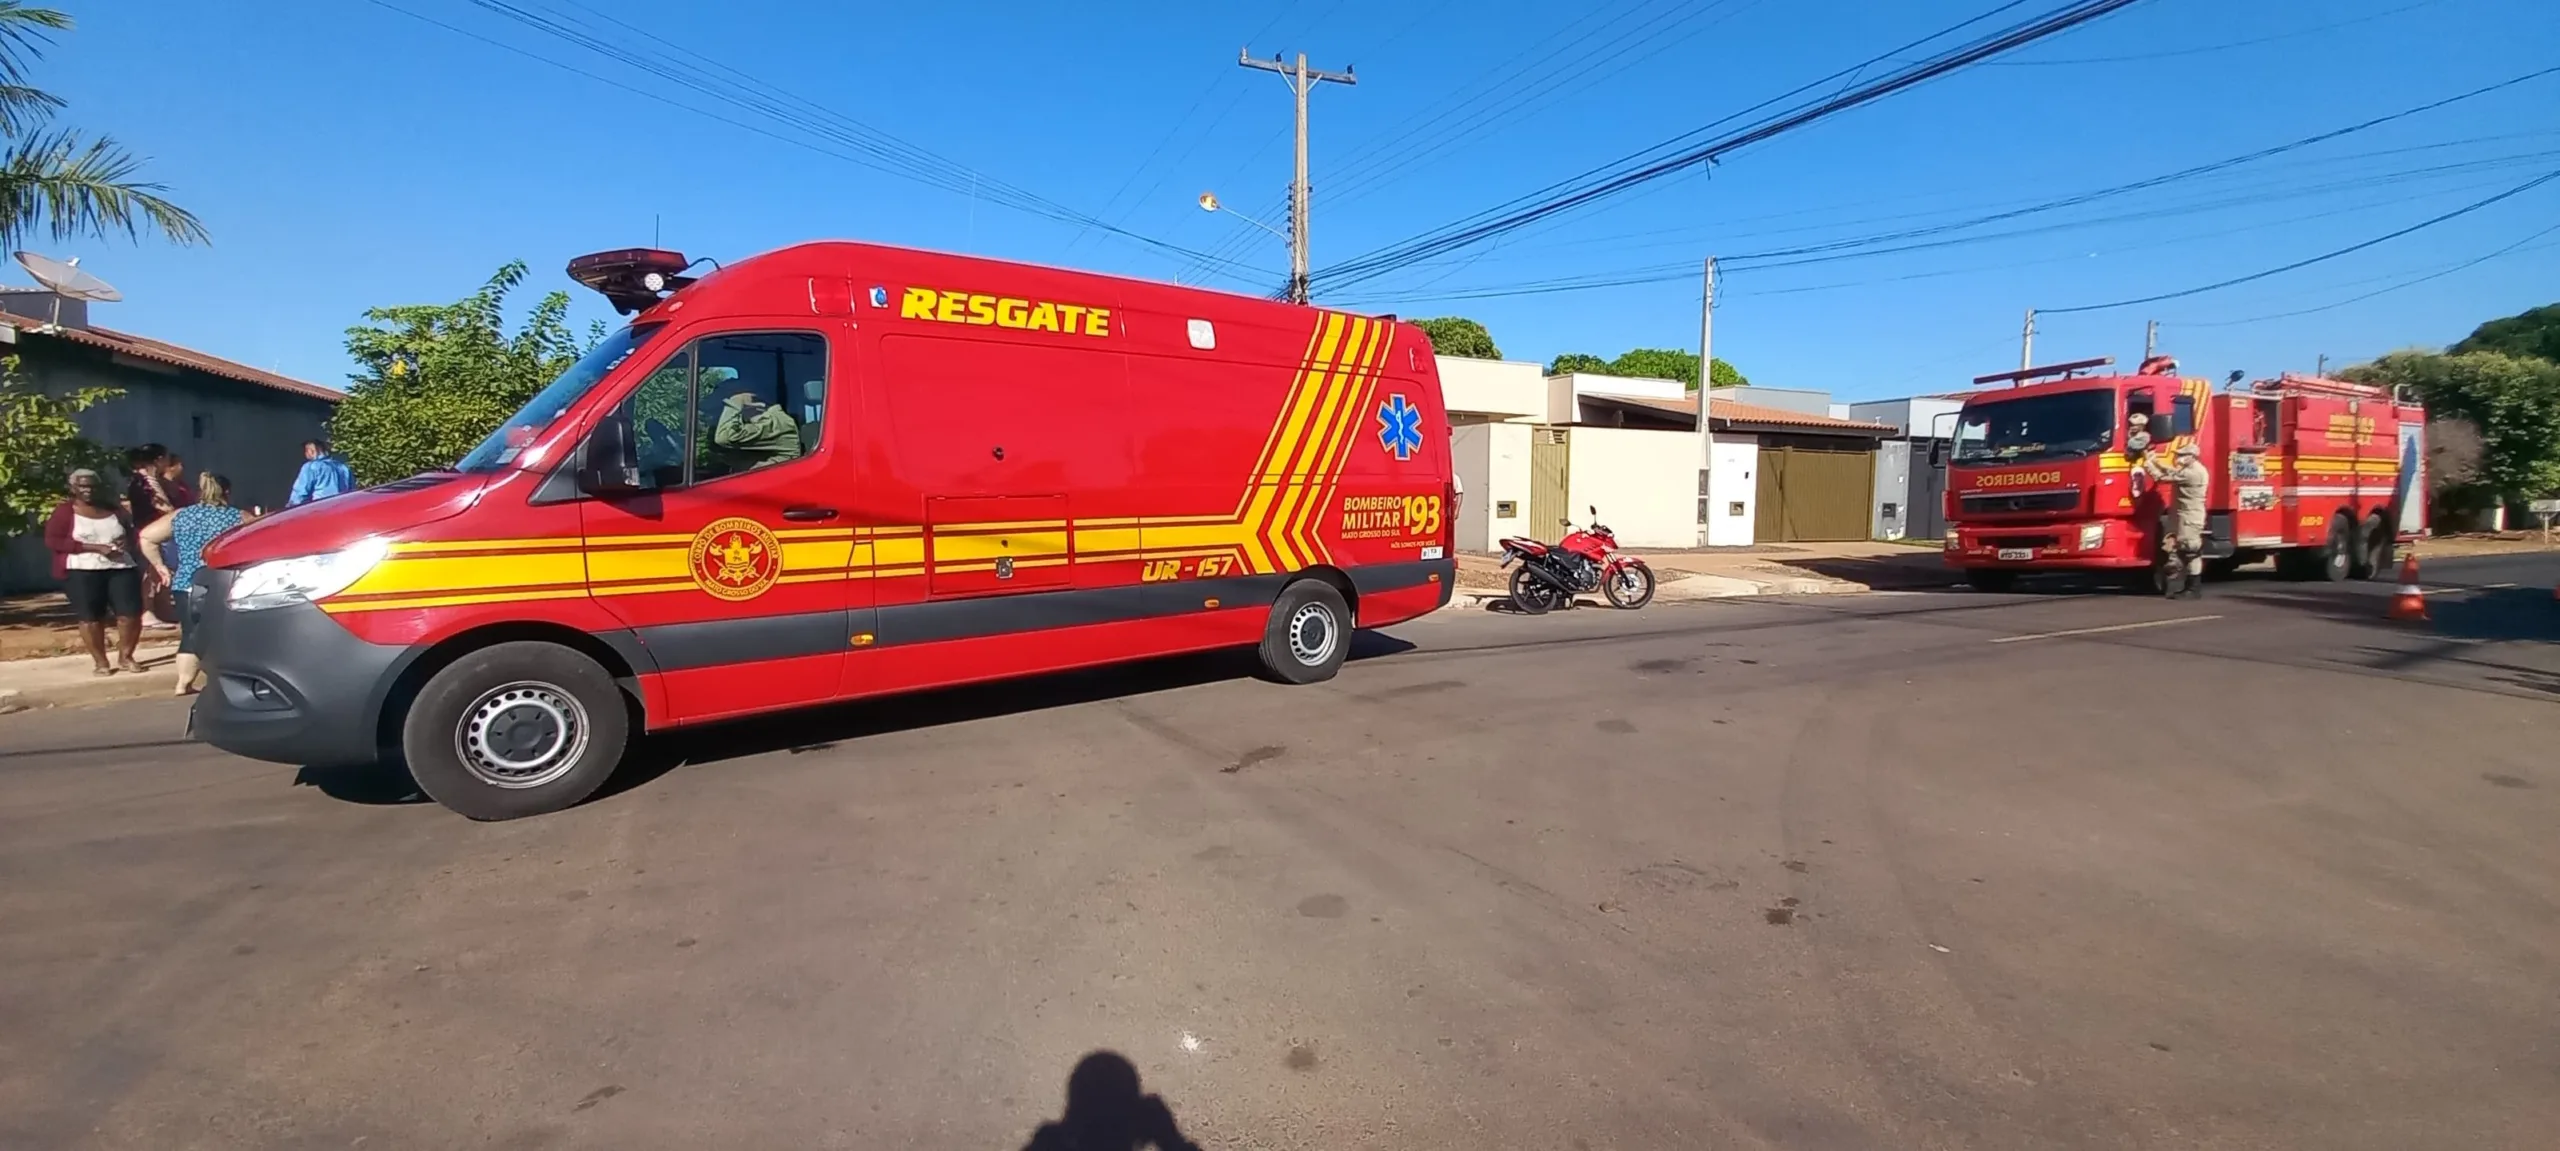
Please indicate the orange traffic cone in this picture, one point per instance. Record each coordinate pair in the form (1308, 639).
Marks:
(2411, 602)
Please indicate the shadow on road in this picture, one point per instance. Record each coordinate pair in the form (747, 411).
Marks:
(1922, 570)
(2488, 615)
(1107, 1111)
(371, 784)
(822, 728)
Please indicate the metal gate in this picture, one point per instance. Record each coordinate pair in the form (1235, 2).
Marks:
(1550, 472)
(1814, 494)
(1927, 519)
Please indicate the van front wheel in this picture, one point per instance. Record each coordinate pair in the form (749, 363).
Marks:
(1309, 633)
(515, 729)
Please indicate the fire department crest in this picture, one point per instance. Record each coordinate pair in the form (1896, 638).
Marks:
(736, 559)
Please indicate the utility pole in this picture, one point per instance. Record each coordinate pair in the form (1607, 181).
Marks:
(1706, 428)
(2027, 343)
(2323, 370)
(2150, 339)
(1301, 79)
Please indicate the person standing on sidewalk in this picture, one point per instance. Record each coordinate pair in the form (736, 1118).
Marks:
(93, 547)
(185, 533)
(323, 475)
(149, 496)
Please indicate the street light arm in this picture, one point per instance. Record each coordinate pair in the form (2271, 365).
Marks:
(1282, 236)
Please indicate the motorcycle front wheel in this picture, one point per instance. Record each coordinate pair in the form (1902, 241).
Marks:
(1533, 596)
(1630, 587)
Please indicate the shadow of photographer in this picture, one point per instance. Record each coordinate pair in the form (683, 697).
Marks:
(1108, 1111)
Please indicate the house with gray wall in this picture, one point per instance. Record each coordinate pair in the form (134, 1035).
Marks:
(222, 416)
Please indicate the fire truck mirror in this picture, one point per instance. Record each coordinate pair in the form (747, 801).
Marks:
(1937, 453)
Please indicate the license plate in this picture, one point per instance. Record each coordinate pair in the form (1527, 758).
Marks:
(2017, 553)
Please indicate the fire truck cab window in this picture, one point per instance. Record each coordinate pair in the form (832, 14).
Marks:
(2049, 427)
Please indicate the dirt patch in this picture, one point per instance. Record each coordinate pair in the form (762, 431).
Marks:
(38, 625)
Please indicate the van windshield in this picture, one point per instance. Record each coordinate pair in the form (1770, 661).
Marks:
(512, 437)
(2051, 427)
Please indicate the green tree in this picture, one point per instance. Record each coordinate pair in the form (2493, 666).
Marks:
(40, 444)
(1671, 364)
(2514, 402)
(1578, 362)
(1459, 336)
(435, 379)
(2534, 332)
(56, 183)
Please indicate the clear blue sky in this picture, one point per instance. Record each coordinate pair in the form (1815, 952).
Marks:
(347, 155)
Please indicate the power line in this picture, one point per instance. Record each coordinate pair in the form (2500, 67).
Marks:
(2408, 283)
(2204, 49)
(796, 118)
(1874, 245)
(2218, 285)
(1461, 235)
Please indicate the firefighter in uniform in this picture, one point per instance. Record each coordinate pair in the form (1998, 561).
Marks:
(2187, 481)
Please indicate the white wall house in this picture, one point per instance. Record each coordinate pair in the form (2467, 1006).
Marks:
(1644, 483)
(1491, 391)
(1492, 460)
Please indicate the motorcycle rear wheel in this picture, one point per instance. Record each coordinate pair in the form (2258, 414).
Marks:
(1629, 588)
(1533, 596)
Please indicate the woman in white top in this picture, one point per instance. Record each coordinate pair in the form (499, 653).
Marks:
(94, 555)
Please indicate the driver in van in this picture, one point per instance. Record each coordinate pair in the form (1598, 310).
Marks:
(762, 432)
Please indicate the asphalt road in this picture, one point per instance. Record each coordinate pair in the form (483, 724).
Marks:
(1894, 871)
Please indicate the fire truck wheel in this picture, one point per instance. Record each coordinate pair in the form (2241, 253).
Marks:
(515, 729)
(1309, 633)
(2375, 558)
(2337, 557)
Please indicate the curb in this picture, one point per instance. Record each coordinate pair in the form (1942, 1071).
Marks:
(151, 684)
(1713, 587)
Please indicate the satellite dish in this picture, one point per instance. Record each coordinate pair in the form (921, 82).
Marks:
(66, 278)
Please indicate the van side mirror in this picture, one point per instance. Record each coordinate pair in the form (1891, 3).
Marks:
(610, 464)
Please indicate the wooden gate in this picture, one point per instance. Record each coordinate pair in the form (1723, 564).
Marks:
(1550, 492)
(1814, 494)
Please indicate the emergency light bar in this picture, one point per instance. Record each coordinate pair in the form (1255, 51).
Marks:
(2023, 375)
(632, 278)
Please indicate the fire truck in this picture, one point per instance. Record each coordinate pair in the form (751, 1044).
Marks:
(2052, 473)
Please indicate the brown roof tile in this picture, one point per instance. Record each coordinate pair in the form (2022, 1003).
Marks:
(159, 351)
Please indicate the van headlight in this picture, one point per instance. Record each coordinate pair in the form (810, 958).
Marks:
(2093, 536)
(303, 579)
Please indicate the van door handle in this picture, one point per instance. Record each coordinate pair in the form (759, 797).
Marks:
(807, 515)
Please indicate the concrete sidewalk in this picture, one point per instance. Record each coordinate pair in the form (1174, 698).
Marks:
(1762, 569)
(53, 681)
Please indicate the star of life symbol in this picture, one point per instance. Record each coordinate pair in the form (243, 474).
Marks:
(1399, 426)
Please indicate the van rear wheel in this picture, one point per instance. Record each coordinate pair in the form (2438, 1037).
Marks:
(515, 729)
(1309, 633)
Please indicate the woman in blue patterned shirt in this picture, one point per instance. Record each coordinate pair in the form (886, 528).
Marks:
(186, 531)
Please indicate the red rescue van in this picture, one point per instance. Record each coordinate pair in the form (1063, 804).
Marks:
(833, 471)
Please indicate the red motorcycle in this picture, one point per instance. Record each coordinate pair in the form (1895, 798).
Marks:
(1581, 563)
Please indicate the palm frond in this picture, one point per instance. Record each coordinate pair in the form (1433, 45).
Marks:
(58, 187)
(24, 33)
(22, 108)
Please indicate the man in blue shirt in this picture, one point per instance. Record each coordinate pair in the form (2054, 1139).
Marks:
(323, 475)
